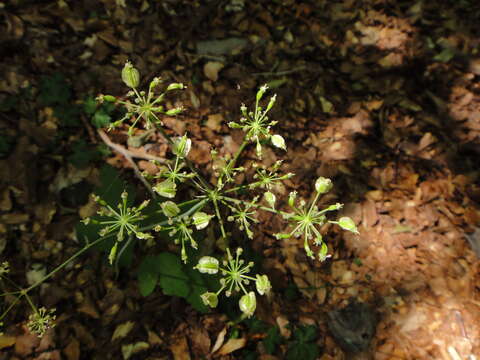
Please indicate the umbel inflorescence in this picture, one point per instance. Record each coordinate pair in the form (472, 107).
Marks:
(217, 203)
(220, 203)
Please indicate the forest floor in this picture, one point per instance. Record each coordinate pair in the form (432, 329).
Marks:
(381, 96)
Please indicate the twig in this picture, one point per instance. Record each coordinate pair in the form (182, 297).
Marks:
(128, 155)
(281, 73)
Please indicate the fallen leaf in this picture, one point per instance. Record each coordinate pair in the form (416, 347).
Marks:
(211, 69)
(179, 349)
(232, 345)
(220, 340)
(122, 330)
(131, 349)
(72, 350)
(215, 121)
(6, 341)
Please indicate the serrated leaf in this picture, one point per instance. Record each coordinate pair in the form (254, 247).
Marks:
(198, 287)
(90, 105)
(304, 351)
(54, 90)
(306, 333)
(101, 119)
(272, 340)
(173, 279)
(147, 275)
(304, 347)
(122, 330)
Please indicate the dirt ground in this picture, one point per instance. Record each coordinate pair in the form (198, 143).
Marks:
(381, 96)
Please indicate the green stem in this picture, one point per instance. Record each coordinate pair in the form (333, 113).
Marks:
(220, 220)
(17, 299)
(261, 207)
(188, 162)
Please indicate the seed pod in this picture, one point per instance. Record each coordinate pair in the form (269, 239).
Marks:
(323, 185)
(207, 265)
(263, 284)
(210, 299)
(248, 304)
(130, 75)
(170, 209)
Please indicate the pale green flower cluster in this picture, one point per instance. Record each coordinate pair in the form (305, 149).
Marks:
(216, 201)
(41, 320)
(234, 279)
(307, 219)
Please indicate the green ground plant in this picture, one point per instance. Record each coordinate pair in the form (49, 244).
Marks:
(202, 269)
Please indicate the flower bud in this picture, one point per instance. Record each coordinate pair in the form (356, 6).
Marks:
(334, 207)
(130, 75)
(207, 265)
(271, 102)
(323, 185)
(174, 111)
(347, 224)
(201, 220)
(323, 253)
(210, 299)
(263, 284)
(278, 142)
(261, 91)
(170, 209)
(166, 188)
(175, 86)
(181, 146)
(248, 304)
(291, 198)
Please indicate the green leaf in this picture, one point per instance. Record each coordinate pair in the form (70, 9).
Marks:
(306, 333)
(304, 346)
(6, 145)
(272, 340)
(68, 114)
(101, 119)
(173, 279)
(147, 275)
(82, 154)
(197, 288)
(304, 351)
(54, 90)
(89, 105)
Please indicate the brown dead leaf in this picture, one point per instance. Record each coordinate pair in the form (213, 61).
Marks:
(232, 345)
(200, 341)
(200, 153)
(211, 70)
(215, 121)
(179, 349)
(220, 340)
(26, 343)
(6, 341)
(72, 350)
